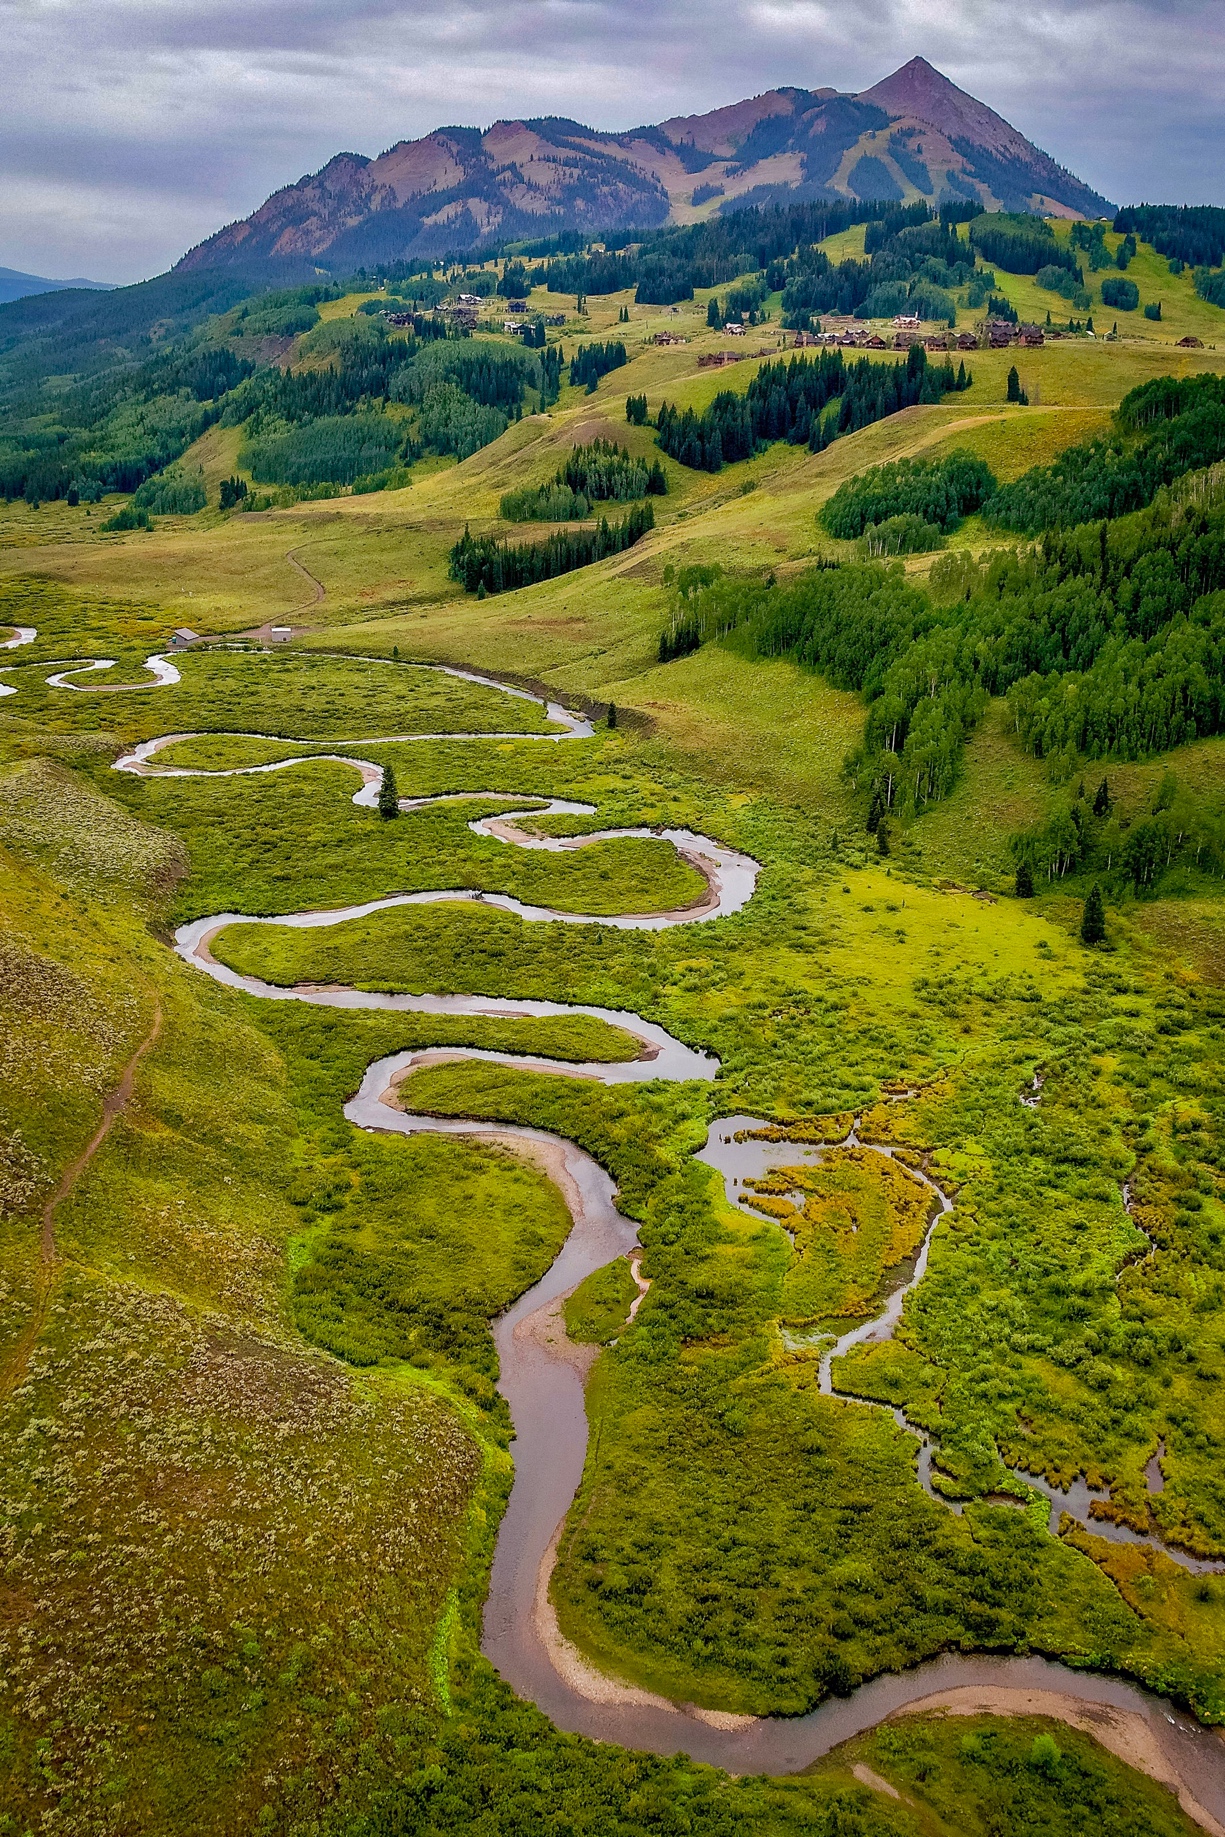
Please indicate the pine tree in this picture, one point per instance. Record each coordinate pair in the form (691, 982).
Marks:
(1093, 918)
(1014, 385)
(612, 714)
(882, 839)
(876, 811)
(1102, 802)
(1025, 880)
(389, 802)
(714, 318)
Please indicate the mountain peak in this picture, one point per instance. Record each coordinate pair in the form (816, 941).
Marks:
(923, 93)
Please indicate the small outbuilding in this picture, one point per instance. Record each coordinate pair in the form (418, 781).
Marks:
(181, 635)
(279, 634)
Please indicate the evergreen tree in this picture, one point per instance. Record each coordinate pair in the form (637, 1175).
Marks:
(1014, 385)
(882, 839)
(714, 317)
(876, 811)
(612, 714)
(1025, 880)
(389, 802)
(1102, 802)
(1093, 918)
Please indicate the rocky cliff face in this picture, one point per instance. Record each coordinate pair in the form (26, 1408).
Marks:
(914, 135)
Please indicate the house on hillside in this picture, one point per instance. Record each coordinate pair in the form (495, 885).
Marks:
(667, 338)
(966, 341)
(875, 343)
(734, 328)
(1031, 336)
(906, 322)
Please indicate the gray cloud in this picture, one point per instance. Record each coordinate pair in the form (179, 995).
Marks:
(135, 127)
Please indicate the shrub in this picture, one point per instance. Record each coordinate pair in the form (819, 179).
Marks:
(172, 494)
(901, 535)
(592, 361)
(1120, 293)
(551, 503)
(1153, 310)
(452, 422)
(1022, 244)
(936, 492)
(1064, 281)
(596, 473)
(336, 449)
(484, 565)
(129, 516)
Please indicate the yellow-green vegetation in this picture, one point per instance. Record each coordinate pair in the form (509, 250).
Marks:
(254, 1458)
(597, 1310)
(272, 692)
(173, 1449)
(850, 1219)
(969, 1776)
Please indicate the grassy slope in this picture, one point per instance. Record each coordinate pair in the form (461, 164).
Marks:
(187, 1445)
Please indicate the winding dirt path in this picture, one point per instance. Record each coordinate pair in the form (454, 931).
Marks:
(113, 1105)
(320, 591)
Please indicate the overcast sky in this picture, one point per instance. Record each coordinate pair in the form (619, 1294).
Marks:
(133, 128)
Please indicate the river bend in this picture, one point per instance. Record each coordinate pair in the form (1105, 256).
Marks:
(543, 1373)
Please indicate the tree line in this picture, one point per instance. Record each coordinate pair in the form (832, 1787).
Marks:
(484, 565)
(795, 401)
(1162, 430)
(1107, 640)
(594, 473)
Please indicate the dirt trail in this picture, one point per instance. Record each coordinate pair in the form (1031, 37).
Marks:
(319, 589)
(113, 1105)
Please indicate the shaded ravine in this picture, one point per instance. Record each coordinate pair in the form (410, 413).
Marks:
(542, 1373)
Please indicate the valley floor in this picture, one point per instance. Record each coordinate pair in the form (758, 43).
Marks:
(256, 1457)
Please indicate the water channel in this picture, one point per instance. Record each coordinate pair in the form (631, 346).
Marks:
(543, 1373)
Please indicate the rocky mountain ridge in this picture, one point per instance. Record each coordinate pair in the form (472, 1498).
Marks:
(914, 135)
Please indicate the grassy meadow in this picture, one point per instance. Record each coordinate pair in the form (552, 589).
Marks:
(255, 1458)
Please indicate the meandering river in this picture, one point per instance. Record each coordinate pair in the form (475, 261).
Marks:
(543, 1373)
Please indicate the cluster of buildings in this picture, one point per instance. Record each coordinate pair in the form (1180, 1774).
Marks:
(993, 334)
